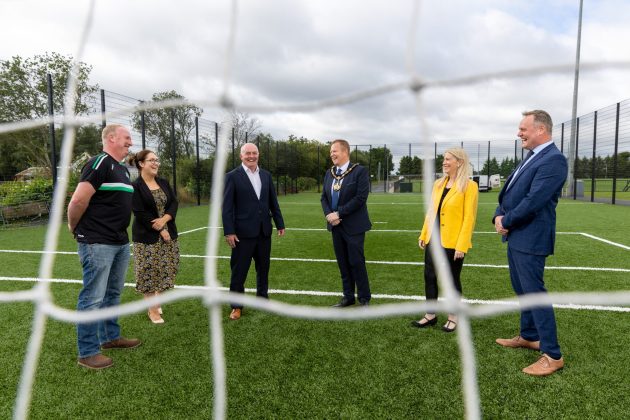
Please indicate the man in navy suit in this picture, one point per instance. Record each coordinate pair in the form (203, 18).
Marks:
(526, 219)
(249, 204)
(344, 202)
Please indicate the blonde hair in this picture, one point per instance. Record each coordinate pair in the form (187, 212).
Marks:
(463, 169)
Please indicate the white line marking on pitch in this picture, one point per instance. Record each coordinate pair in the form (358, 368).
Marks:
(323, 293)
(326, 260)
(606, 241)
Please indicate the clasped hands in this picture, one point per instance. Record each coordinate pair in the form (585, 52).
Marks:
(159, 224)
(498, 226)
(333, 218)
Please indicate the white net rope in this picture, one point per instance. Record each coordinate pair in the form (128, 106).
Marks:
(215, 296)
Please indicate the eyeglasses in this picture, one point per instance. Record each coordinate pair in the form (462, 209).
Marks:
(156, 161)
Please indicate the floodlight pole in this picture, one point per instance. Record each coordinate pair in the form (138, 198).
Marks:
(572, 140)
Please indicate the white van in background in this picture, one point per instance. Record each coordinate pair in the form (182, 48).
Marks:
(485, 184)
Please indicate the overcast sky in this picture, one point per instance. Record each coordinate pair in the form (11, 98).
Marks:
(291, 51)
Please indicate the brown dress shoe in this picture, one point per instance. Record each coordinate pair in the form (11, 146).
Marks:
(235, 314)
(96, 362)
(518, 342)
(121, 343)
(544, 366)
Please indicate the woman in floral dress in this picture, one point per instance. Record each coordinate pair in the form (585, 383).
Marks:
(155, 245)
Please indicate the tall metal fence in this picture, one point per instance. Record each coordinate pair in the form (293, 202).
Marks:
(186, 147)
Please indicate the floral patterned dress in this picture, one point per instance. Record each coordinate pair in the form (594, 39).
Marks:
(156, 265)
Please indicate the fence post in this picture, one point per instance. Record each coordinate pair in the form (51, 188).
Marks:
(562, 140)
(277, 166)
(173, 152)
(198, 177)
(142, 129)
(575, 157)
(103, 119)
(515, 154)
(385, 173)
(216, 136)
(370, 166)
(233, 153)
(593, 161)
(614, 188)
(488, 181)
(319, 166)
(269, 152)
(51, 128)
(296, 158)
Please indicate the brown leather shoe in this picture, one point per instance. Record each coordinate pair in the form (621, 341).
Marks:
(235, 314)
(121, 343)
(96, 362)
(544, 366)
(518, 342)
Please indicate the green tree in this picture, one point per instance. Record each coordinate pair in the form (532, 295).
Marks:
(158, 123)
(494, 167)
(383, 156)
(506, 167)
(24, 96)
(410, 166)
(405, 165)
(246, 128)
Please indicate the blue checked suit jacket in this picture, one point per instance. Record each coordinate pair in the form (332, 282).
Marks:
(528, 206)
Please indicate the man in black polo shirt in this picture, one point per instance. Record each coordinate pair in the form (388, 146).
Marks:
(98, 216)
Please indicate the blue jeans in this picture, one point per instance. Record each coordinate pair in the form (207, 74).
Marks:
(104, 270)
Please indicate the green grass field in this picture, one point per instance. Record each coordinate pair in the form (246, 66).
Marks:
(287, 368)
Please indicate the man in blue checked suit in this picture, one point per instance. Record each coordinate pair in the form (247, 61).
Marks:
(344, 202)
(526, 219)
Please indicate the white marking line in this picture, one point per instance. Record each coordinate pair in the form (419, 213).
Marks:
(323, 293)
(414, 231)
(325, 260)
(193, 230)
(597, 238)
(417, 231)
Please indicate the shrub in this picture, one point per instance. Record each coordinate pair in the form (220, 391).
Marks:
(17, 192)
(306, 183)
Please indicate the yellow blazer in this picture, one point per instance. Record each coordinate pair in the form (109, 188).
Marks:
(457, 215)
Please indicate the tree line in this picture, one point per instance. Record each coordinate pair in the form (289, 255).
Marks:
(24, 96)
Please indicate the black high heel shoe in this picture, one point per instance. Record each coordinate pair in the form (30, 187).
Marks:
(429, 322)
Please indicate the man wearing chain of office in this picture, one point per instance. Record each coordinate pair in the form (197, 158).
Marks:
(344, 202)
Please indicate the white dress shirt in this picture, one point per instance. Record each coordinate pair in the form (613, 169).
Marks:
(254, 178)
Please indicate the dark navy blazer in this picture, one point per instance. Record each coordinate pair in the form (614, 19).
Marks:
(243, 213)
(529, 204)
(352, 205)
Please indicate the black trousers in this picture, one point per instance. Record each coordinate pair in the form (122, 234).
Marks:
(430, 274)
(247, 248)
(351, 262)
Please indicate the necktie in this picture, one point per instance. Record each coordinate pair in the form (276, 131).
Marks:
(335, 193)
(520, 166)
(529, 154)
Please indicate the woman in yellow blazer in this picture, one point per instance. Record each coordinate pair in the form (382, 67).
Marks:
(452, 216)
